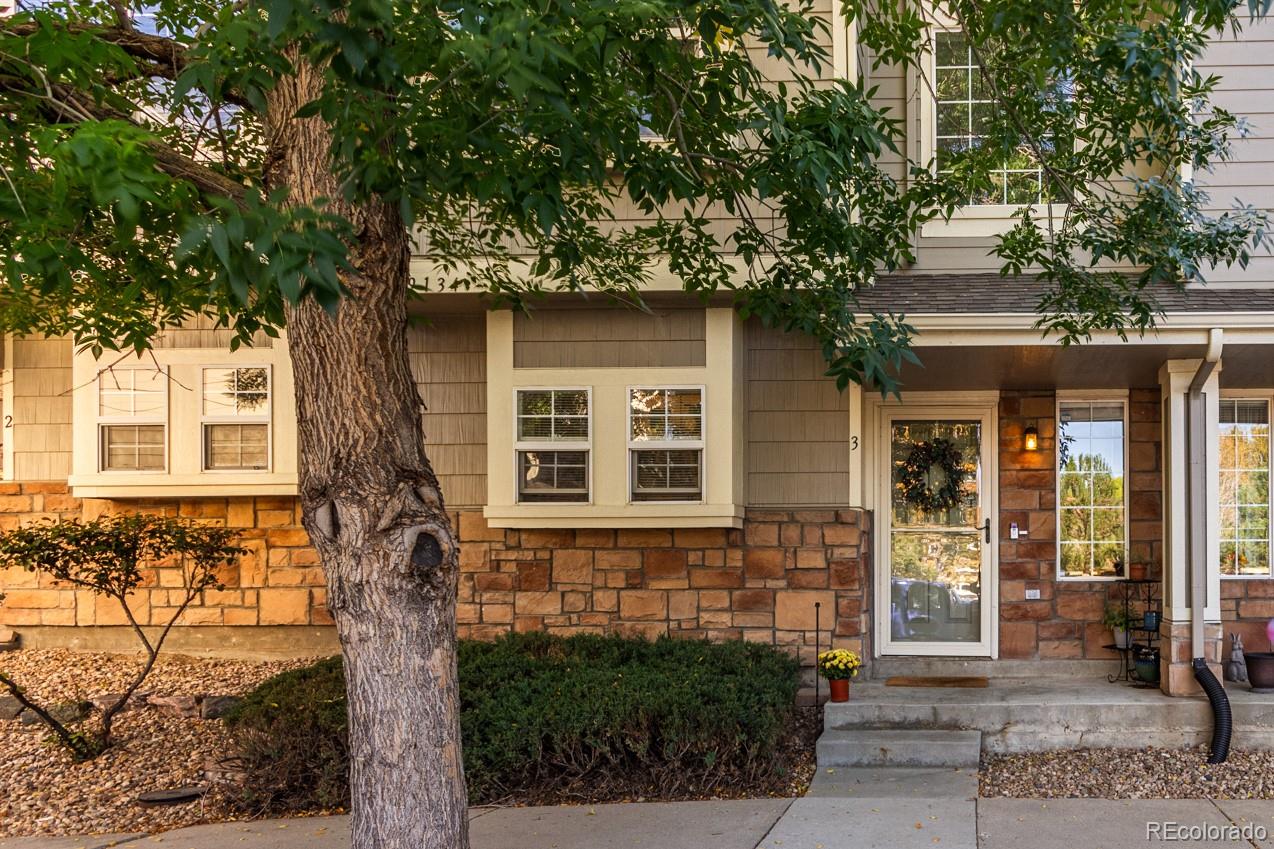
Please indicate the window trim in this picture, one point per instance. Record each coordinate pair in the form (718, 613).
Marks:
(970, 220)
(162, 419)
(1095, 397)
(520, 445)
(266, 419)
(681, 31)
(699, 444)
(1268, 397)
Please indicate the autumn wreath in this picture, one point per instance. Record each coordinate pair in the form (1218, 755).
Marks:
(913, 476)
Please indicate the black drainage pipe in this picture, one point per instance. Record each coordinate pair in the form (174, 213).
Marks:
(1222, 719)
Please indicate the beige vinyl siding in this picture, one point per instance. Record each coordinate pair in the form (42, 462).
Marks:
(40, 430)
(903, 95)
(609, 338)
(775, 71)
(1246, 68)
(449, 363)
(798, 424)
(201, 332)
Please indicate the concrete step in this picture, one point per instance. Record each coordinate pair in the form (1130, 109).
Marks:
(886, 667)
(1018, 716)
(897, 747)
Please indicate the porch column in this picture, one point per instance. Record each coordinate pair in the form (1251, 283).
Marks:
(1176, 675)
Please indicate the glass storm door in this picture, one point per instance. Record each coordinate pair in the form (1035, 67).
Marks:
(937, 570)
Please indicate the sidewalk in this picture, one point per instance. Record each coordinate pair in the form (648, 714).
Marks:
(845, 809)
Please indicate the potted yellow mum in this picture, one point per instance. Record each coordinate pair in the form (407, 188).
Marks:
(838, 666)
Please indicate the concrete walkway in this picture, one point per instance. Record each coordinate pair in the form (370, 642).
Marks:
(845, 809)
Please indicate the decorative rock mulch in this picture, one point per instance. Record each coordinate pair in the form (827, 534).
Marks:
(162, 742)
(1128, 774)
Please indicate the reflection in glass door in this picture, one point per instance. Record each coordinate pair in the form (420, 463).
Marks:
(936, 556)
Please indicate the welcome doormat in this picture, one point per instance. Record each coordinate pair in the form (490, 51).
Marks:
(970, 681)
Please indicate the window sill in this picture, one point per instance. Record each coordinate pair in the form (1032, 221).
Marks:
(669, 515)
(159, 485)
(981, 221)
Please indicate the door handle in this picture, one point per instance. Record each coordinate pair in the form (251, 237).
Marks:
(985, 528)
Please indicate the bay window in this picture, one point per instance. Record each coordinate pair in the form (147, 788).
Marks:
(665, 442)
(236, 418)
(132, 414)
(552, 445)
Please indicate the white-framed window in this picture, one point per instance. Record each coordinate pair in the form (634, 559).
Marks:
(665, 443)
(132, 419)
(963, 107)
(1244, 493)
(552, 444)
(1092, 491)
(692, 45)
(235, 404)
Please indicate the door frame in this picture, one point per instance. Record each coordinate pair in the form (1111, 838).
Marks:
(879, 414)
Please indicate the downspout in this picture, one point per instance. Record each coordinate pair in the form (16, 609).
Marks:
(1197, 546)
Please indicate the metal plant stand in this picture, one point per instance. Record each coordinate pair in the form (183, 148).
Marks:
(1139, 598)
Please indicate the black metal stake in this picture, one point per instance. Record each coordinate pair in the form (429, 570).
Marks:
(818, 633)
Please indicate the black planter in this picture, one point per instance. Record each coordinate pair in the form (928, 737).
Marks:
(1260, 669)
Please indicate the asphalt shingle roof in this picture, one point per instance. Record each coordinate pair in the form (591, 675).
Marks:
(990, 293)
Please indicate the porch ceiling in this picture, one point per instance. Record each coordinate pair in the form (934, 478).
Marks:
(1024, 367)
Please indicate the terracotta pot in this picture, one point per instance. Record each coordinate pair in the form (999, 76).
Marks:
(1260, 669)
(839, 688)
(1138, 571)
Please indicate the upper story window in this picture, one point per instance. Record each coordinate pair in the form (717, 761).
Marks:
(132, 413)
(654, 126)
(235, 415)
(665, 443)
(964, 108)
(1245, 487)
(552, 445)
(1091, 489)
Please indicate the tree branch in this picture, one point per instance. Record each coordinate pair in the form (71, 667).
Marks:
(159, 49)
(62, 103)
(156, 55)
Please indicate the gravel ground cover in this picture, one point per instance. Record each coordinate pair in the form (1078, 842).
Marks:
(1128, 774)
(43, 792)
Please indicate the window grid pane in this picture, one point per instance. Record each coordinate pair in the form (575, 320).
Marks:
(659, 415)
(131, 392)
(235, 446)
(132, 448)
(963, 108)
(1092, 523)
(667, 475)
(553, 476)
(552, 415)
(235, 392)
(1244, 487)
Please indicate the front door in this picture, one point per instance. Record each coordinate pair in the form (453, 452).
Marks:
(935, 588)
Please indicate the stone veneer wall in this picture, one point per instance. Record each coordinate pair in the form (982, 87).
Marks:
(1247, 606)
(1066, 620)
(278, 582)
(759, 583)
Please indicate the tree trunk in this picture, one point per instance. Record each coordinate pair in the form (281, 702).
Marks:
(374, 512)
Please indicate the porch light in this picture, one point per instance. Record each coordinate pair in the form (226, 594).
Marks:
(1031, 439)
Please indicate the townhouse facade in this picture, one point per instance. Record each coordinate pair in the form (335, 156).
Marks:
(686, 472)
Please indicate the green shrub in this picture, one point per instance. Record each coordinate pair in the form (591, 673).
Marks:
(293, 741)
(544, 715)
